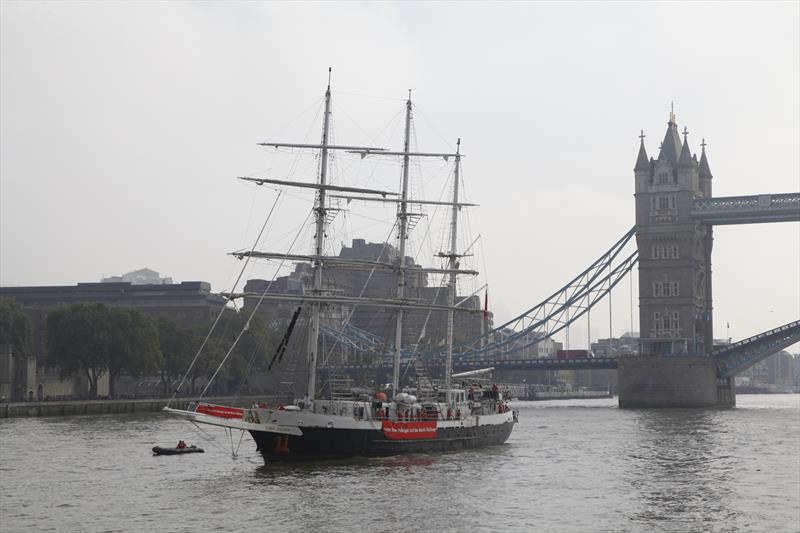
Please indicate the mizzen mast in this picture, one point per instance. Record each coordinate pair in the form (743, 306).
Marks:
(452, 267)
(319, 245)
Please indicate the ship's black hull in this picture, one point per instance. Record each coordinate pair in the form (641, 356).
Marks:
(326, 443)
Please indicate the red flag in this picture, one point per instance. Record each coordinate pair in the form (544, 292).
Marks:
(486, 305)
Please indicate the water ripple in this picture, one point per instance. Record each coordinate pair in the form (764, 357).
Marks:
(568, 466)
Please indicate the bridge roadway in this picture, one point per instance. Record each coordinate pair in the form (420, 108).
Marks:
(593, 363)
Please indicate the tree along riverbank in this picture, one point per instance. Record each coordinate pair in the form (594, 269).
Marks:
(106, 407)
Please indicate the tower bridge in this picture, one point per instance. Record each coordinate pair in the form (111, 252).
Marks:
(677, 364)
(675, 215)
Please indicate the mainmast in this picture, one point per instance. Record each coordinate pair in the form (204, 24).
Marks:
(402, 223)
(319, 247)
(452, 266)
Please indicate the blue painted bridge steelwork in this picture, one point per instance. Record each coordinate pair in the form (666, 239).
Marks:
(736, 358)
(545, 363)
(747, 209)
(499, 346)
(575, 299)
(730, 360)
(512, 338)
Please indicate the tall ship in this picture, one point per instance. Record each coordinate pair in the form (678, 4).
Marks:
(460, 411)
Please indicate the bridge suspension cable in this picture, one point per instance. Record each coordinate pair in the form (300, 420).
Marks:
(557, 312)
(538, 323)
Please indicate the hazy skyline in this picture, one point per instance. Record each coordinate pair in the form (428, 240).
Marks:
(124, 124)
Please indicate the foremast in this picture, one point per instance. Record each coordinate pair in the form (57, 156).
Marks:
(317, 299)
(319, 246)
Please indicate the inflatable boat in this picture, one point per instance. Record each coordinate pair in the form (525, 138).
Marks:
(158, 450)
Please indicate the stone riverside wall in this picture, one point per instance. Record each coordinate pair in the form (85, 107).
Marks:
(105, 407)
(672, 381)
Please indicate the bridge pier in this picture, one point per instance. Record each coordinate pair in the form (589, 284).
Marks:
(726, 392)
(672, 381)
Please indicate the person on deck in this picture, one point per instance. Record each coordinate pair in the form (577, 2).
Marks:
(181, 445)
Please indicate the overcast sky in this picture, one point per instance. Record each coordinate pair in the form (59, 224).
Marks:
(125, 124)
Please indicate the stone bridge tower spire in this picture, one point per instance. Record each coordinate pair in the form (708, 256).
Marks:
(674, 250)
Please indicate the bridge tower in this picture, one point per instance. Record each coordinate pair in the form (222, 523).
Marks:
(675, 304)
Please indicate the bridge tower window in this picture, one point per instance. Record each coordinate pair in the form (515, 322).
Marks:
(674, 287)
(666, 288)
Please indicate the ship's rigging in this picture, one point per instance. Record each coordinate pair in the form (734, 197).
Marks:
(317, 296)
(449, 419)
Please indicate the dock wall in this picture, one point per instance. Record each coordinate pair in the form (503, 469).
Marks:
(106, 407)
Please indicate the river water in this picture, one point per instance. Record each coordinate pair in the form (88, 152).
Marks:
(569, 466)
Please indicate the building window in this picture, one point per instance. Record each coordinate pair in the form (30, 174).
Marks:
(676, 318)
(663, 202)
(655, 252)
(675, 288)
(663, 177)
(666, 288)
(657, 289)
(672, 203)
(657, 321)
(675, 252)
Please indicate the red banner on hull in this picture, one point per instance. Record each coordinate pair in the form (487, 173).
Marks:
(220, 410)
(409, 430)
